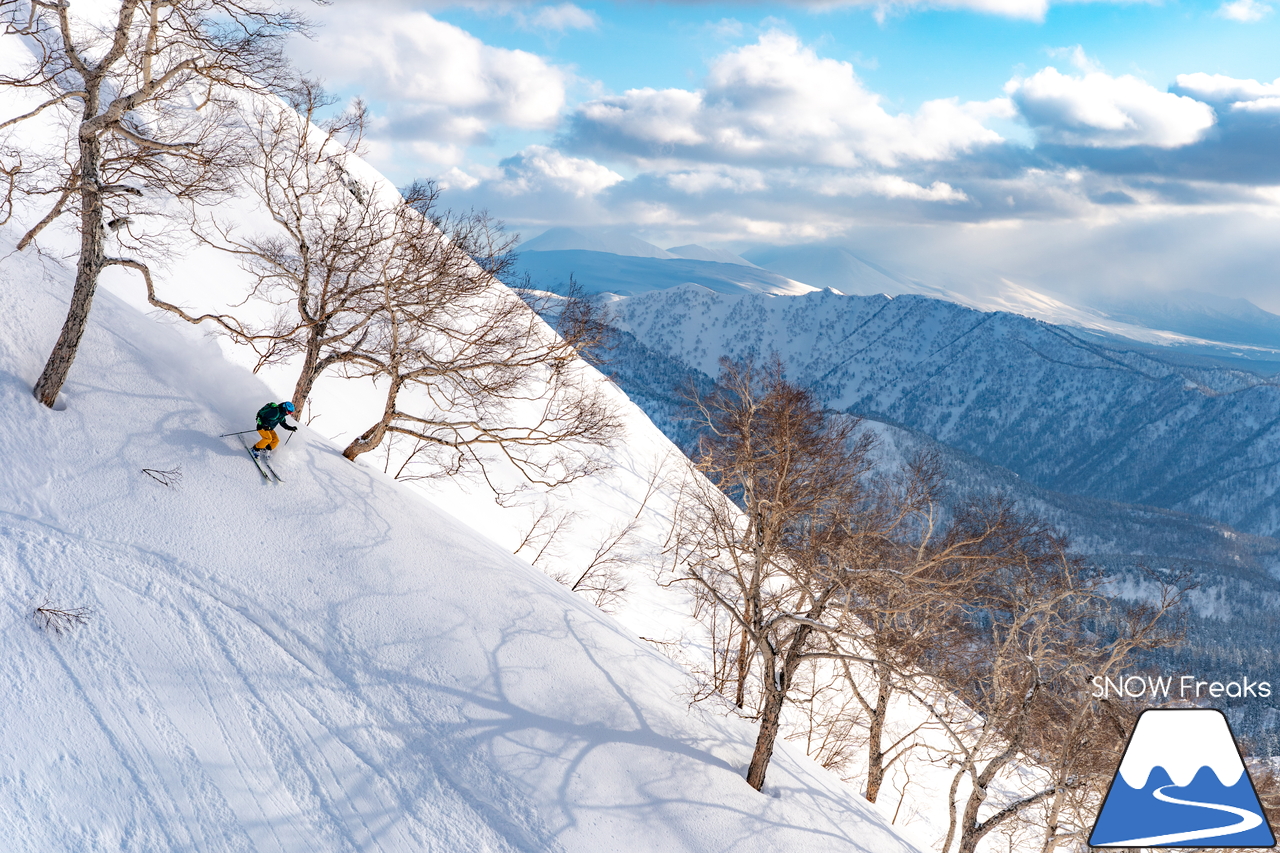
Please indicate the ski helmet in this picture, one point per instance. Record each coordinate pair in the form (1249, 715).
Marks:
(288, 407)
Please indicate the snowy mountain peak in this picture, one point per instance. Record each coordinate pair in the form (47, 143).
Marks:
(1195, 314)
(1181, 741)
(831, 266)
(694, 252)
(593, 240)
(607, 272)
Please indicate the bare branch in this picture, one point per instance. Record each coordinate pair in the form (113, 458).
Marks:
(61, 620)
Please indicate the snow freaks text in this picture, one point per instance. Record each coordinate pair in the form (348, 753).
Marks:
(1180, 687)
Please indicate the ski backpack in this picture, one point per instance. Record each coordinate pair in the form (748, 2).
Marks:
(270, 415)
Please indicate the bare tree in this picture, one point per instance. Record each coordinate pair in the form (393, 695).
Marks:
(811, 560)
(386, 287)
(1042, 624)
(782, 470)
(975, 612)
(144, 102)
(18, 170)
(324, 262)
(1081, 741)
(469, 369)
(981, 618)
(548, 524)
(60, 620)
(603, 579)
(913, 573)
(905, 571)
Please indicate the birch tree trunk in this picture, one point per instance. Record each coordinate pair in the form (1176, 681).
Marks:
(88, 267)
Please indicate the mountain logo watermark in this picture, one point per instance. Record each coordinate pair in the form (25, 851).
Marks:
(1181, 783)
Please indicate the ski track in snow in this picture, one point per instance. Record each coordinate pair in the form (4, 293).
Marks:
(332, 665)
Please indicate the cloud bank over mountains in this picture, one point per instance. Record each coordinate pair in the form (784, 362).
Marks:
(779, 141)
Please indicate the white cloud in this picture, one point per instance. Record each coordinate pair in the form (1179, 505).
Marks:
(703, 179)
(1245, 11)
(1079, 60)
(538, 168)
(665, 117)
(565, 16)
(455, 178)
(1261, 105)
(1097, 110)
(1221, 88)
(777, 101)
(890, 187)
(436, 81)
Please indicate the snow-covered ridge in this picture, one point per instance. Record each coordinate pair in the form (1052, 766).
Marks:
(594, 240)
(1197, 323)
(1070, 412)
(1202, 325)
(606, 272)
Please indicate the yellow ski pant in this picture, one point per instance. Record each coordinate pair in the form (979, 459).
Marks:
(269, 440)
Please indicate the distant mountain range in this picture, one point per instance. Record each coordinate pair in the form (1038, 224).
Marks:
(1234, 623)
(598, 272)
(594, 240)
(1201, 315)
(1060, 408)
(1233, 331)
(622, 243)
(1150, 449)
(669, 337)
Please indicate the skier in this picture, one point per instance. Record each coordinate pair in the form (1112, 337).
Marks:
(271, 416)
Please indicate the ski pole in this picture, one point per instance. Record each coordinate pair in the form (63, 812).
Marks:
(242, 432)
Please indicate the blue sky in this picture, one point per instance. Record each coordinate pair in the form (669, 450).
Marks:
(1069, 146)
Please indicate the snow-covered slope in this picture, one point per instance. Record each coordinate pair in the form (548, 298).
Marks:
(329, 664)
(605, 272)
(1190, 323)
(701, 253)
(594, 240)
(836, 268)
(1068, 412)
(1200, 315)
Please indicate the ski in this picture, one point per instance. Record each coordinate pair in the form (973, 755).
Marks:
(256, 463)
(272, 470)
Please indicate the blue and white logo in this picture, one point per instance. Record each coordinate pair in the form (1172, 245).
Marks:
(1181, 783)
